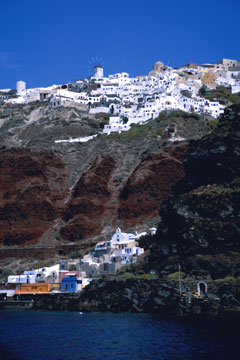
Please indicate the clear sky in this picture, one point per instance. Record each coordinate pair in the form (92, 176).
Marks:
(56, 41)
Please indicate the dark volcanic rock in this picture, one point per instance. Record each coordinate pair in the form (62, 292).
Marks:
(216, 157)
(148, 296)
(201, 225)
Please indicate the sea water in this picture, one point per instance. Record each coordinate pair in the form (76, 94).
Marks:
(39, 335)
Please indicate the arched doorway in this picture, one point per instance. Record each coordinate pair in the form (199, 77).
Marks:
(202, 288)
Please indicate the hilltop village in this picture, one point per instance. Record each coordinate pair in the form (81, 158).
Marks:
(140, 99)
(127, 102)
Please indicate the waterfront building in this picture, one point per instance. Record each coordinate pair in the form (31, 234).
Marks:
(36, 288)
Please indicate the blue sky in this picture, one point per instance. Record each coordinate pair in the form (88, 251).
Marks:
(55, 41)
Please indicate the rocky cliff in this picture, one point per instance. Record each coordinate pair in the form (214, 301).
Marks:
(54, 193)
(200, 225)
(33, 188)
(148, 296)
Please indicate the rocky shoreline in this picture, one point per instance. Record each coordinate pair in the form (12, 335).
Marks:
(144, 296)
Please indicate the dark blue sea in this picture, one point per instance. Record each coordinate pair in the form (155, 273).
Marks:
(39, 335)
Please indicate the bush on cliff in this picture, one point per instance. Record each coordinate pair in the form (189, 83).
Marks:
(221, 94)
(175, 276)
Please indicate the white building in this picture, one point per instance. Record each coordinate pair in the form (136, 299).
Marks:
(25, 278)
(115, 125)
(20, 87)
(110, 256)
(98, 72)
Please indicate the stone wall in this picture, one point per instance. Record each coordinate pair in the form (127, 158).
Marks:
(40, 252)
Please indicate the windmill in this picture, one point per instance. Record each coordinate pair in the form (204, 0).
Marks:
(94, 64)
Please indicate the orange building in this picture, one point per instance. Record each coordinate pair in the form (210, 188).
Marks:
(209, 79)
(34, 288)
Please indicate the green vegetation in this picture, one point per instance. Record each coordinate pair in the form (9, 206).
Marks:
(154, 128)
(36, 104)
(78, 254)
(175, 276)
(228, 279)
(72, 268)
(4, 273)
(98, 123)
(11, 124)
(135, 271)
(146, 241)
(221, 94)
(42, 264)
(102, 116)
(73, 255)
(147, 277)
(132, 270)
(127, 275)
(213, 124)
(103, 121)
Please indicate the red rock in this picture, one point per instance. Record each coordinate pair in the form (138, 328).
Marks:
(32, 192)
(86, 210)
(150, 184)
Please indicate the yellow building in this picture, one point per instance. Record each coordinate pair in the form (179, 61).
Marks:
(34, 288)
(209, 80)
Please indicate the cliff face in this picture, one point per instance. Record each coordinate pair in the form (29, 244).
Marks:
(90, 201)
(151, 183)
(32, 192)
(144, 296)
(38, 206)
(200, 225)
(54, 193)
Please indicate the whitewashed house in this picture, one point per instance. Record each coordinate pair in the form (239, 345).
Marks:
(115, 125)
(109, 256)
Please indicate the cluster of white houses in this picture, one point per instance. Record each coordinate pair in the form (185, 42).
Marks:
(73, 275)
(109, 256)
(140, 99)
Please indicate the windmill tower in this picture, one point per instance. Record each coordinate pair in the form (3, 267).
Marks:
(95, 67)
(98, 71)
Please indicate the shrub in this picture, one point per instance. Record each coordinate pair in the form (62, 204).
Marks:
(146, 241)
(147, 276)
(213, 124)
(5, 273)
(72, 268)
(235, 98)
(42, 264)
(128, 275)
(175, 276)
(230, 278)
(226, 279)
(74, 255)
